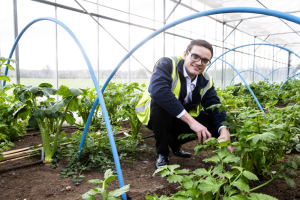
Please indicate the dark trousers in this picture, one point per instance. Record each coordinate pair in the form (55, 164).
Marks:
(167, 128)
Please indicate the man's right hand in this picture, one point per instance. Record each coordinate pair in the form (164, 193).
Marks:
(201, 131)
(198, 128)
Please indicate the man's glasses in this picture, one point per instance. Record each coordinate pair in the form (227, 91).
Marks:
(196, 58)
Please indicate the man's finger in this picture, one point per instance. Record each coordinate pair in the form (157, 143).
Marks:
(204, 137)
(199, 137)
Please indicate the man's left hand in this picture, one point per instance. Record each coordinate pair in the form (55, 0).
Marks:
(225, 135)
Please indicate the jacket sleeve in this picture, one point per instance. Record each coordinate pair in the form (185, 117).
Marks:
(210, 98)
(160, 87)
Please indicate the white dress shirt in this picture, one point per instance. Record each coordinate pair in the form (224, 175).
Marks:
(190, 86)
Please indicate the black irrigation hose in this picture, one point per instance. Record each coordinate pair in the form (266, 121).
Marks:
(20, 166)
(148, 136)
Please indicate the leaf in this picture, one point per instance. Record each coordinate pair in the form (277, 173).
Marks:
(70, 119)
(175, 178)
(217, 169)
(88, 197)
(182, 171)
(223, 152)
(231, 158)
(265, 137)
(201, 172)
(64, 91)
(241, 184)
(294, 165)
(109, 173)
(250, 175)
(210, 185)
(214, 159)
(75, 92)
(95, 181)
(290, 181)
(187, 182)
(237, 197)
(47, 85)
(34, 90)
(33, 123)
(258, 196)
(73, 104)
(57, 106)
(119, 192)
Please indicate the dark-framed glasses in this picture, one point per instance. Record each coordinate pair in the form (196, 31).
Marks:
(196, 58)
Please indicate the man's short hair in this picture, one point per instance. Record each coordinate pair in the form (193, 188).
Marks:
(202, 43)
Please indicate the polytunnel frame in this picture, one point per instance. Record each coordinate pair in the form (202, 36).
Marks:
(96, 84)
(254, 72)
(287, 81)
(278, 14)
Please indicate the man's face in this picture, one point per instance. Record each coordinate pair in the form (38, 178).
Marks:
(194, 68)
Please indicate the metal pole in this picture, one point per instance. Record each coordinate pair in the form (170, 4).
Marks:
(164, 33)
(165, 20)
(222, 75)
(98, 46)
(289, 63)
(16, 35)
(129, 60)
(253, 59)
(56, 53)
(233, 30)
(154, 37)
(273, 64)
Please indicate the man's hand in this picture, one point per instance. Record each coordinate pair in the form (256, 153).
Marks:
(225, 135)
(198, 128)
(201, 131)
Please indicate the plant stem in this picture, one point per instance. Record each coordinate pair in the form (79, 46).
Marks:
(58, 131)
(266, 183)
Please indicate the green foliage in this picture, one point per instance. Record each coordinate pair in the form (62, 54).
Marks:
(48, 115)
(96, 153)
(4, 145)
(2, 63)
(101, 185)
(120, 101)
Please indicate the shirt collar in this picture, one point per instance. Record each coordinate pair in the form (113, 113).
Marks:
(187, 76)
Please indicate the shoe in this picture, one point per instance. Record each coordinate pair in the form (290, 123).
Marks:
(161, 160)
(181, 153)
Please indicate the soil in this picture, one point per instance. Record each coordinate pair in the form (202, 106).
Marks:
(39, 181)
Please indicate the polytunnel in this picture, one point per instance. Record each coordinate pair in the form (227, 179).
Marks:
(86, 45)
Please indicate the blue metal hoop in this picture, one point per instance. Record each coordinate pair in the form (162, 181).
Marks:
(96, 84)
(278, 14)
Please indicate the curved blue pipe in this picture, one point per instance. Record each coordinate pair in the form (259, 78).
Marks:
(278, 14)
(252, 93)
(254, 72)
(281, 68)
(287, 81)
(96, 84)
(296, 21)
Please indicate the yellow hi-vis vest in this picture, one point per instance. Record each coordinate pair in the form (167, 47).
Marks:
(143, 107)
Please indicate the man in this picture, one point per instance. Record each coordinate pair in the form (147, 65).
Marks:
(171, 106)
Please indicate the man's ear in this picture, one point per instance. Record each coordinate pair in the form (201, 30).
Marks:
(184, 55)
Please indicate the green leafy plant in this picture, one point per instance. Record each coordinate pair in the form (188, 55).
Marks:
(101, 188)
(49, 115)
(96, 153)
(132, 95)
(2, 63)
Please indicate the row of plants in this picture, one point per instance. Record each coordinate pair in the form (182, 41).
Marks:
(261, 141)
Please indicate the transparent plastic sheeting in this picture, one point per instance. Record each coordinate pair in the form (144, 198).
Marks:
(193, 16)
(99, 93)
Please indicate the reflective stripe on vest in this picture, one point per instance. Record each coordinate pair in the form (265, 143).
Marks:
(143, 107)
